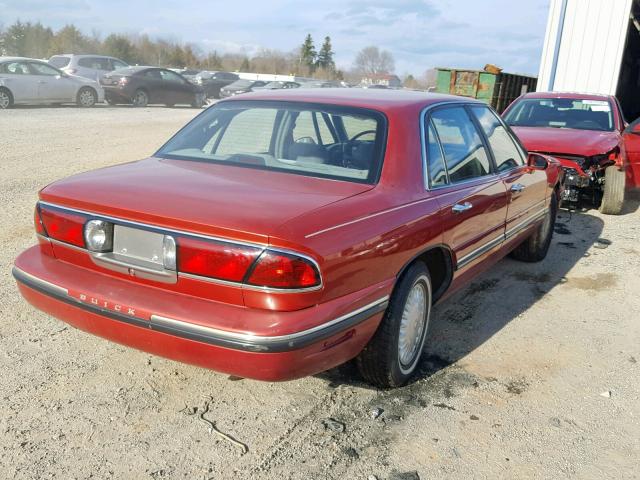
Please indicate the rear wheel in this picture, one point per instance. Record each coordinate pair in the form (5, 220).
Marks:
(614, 186)
(392, 355)
(87, 97)
(6, 99)
(140, 98)
(535, 248)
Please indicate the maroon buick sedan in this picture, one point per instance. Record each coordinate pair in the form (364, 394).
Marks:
(282, 233)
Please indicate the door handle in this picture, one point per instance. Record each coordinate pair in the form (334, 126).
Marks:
(461, 207)
(517, 188)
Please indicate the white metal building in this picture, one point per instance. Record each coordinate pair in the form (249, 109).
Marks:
(594, 46)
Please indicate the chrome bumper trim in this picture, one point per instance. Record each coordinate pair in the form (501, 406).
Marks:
(213, 336)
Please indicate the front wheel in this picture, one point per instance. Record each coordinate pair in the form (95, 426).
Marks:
(535, 248)
(199, 100)
(392, 355)
(614, 185)
(87, 97)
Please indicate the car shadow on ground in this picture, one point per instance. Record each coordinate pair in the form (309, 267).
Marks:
(470, 317)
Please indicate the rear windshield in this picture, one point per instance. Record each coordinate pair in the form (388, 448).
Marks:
(562, 113)
(59, 62)
(305, 139)
(242, 83)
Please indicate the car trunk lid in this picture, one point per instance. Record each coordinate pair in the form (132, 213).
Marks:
(233, 202)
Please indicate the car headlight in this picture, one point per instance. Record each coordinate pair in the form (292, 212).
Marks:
(98, 236)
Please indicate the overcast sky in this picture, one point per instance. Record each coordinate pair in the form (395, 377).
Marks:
(421, 34)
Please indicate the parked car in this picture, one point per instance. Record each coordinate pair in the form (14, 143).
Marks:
(282, 233)
(587, 134)
(277, 85)
(212, 82)
(240, 86)
(87, 66)
(141, 86)
(30, 81)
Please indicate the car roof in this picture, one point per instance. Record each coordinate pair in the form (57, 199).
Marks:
(356, 97)
(83, 55)
(15, 59)
(568, 95)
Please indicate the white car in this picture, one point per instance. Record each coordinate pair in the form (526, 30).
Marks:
(30, 81)
(93, 67)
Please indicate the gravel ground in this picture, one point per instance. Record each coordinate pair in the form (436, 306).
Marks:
(531, 372)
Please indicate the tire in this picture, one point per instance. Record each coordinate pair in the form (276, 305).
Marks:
(6, 99)
(392, 355)
(140, 98)
(614, 189)
(87, 97)
(536, 246)
(199, 100)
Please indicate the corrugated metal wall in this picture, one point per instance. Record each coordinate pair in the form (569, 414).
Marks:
(583, 46)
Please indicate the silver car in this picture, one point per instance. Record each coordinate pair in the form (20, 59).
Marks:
(87, 66)
(30, 81)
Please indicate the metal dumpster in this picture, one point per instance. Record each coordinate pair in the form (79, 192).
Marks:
(498, 90)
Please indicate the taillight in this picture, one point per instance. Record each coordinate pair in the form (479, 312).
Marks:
(282, 270)
(224, 261)
(64, 226)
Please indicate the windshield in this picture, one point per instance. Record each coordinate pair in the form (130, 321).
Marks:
(315, 140)
(562, 113)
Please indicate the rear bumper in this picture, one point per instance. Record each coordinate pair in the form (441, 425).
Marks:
(47, 285)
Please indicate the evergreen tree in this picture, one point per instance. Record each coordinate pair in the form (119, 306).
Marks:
(14, 40)
(308, 53)
(120, 47)
(245, 66)
(325, 57)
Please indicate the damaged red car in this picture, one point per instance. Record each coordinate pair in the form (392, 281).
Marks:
(589, 136)
(280, 234)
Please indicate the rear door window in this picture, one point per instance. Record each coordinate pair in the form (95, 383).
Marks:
(505, 151)
(465, 155)
(15, 68)
(435, 159)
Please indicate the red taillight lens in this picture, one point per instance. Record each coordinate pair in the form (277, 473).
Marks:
(224, 261)
(37, 221)
(63, 226)
(281, 270)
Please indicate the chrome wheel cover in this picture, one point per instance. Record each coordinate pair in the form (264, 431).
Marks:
(86, 98)
(140, 99)
(4, 99)
(413, 323)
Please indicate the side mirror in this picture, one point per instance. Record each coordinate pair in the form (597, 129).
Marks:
(63, 75)
(537, 162)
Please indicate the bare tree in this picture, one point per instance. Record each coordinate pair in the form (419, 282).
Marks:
(373, 61)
